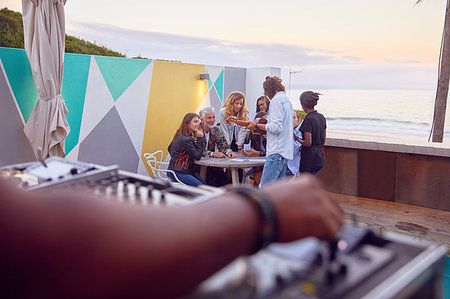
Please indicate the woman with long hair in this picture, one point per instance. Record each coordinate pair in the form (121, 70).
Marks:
(262, 104)
(187, 146)
(293, 165)
(236, 108)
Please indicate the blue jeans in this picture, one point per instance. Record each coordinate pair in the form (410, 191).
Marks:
(274, 169)
(188, 179)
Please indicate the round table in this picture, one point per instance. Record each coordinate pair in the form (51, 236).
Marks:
(242, 161)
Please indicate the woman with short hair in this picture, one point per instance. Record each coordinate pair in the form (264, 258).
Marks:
(313, 129)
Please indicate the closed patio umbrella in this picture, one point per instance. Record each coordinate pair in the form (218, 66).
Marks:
(44, 33)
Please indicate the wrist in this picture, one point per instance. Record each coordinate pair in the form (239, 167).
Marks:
(268, 221)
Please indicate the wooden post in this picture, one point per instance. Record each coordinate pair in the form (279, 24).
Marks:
(443, 81)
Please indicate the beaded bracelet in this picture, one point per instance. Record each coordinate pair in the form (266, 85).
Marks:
(268, 225)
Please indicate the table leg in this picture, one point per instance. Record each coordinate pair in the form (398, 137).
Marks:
(203, 172)
(234, 176)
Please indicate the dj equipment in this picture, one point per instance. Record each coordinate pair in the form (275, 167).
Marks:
(55, 174)
(358, 264)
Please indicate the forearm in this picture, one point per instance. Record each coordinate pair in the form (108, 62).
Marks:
(261, 126)
(105, 248)
(195, 149)
(211, 243)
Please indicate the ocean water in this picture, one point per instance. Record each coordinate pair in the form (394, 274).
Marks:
(382, 112)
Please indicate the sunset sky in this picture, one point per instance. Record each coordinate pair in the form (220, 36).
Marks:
(353, 44)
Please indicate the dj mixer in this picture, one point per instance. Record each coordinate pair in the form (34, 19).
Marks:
(358, 264)
(55, 174)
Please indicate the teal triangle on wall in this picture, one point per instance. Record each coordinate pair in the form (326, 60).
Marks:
(119, 73)
(209, 82)
(18, 71)
(219, 86)
(76, 73)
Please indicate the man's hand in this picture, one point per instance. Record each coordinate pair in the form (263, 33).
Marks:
(304, 209)
(232, 155)
(218, 155)
(251, 126)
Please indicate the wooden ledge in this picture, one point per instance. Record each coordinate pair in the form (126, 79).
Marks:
(417, 222)
(429, 150)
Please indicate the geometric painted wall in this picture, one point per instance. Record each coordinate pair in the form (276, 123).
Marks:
(14, 146)
(119, 108)
(254, 84)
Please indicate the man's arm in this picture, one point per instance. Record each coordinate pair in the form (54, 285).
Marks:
(71, 244)
(76, 245)
(275, 125)
(221, 142)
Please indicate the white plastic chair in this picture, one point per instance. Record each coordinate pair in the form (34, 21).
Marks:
(159, 166)
(297, 173)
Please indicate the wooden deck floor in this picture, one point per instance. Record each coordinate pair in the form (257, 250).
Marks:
(416, 222)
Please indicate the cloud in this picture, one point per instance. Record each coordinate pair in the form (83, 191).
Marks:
(321, 68)
(389, 76)
(187, 49)
(15, 5)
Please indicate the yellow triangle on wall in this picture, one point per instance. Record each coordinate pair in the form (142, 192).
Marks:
(176, 89)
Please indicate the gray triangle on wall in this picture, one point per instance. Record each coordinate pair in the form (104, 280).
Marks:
(109, 144)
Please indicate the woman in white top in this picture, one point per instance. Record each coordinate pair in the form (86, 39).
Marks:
(294, 164)
(234, 106)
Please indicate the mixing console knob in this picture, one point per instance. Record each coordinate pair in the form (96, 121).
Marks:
(279, 280)
(137, 189)
(150, 190)
(343, 269)
(162, 200)
(75, 171)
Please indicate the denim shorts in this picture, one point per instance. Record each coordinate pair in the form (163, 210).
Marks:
(274, 169)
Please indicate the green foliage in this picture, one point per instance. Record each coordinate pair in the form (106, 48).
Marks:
(140, 57)
(301, 113)
(11, 36)
(80, 46)
(11, 29)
